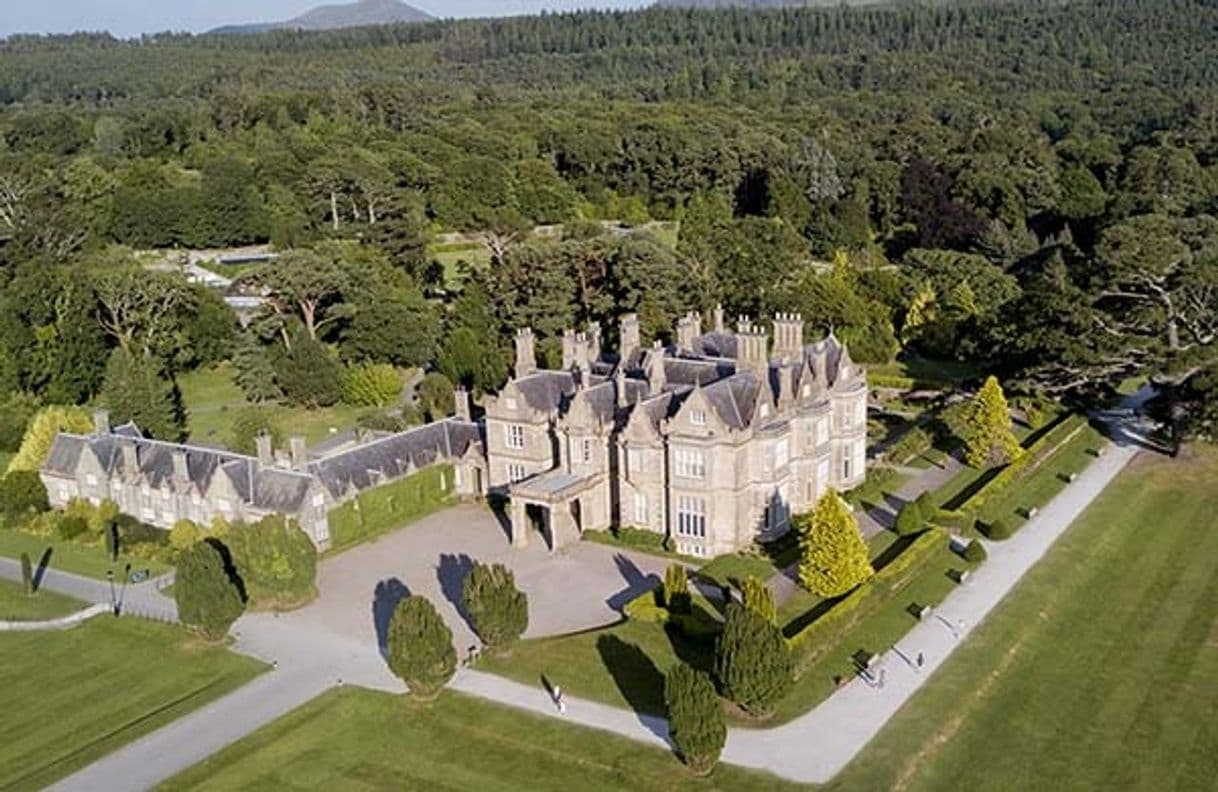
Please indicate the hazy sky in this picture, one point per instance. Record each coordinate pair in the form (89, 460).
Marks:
(131, 17)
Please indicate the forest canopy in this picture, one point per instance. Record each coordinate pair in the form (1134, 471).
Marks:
(1029, 185)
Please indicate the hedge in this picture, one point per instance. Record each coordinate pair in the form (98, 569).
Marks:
(810, 642)
(914, 443)
(897, 382)
(385, 508)
(1037, 452)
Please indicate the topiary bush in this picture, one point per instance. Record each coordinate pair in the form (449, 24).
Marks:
(419, 647)
(998, 530)
(71, 527)
(498, 609)
(22, 495)
(676, 589)
(974, 552)
(909, 520)
(695, 718)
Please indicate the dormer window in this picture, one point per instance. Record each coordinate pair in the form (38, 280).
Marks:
(510, 402)
(697, 417)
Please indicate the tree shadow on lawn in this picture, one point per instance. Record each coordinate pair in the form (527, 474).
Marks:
(384, 602)
(451, 573)
(636, 582)
(638, 680)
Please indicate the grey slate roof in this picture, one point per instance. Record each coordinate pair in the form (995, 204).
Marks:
(545, 390)
(382, 460)
(735, 399)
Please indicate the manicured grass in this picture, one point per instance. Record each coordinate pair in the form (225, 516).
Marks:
(212, 397)
(74, 696)
(80, 559)
(919, 368)
(16, 606)
(622, 665)
(361, 739)
(450, 257)
(1099, 671)
(736, 567)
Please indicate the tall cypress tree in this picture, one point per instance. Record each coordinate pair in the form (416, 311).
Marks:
(752, 661)
(499, 610)
(833, 553)
(695, 718)
(420, 647)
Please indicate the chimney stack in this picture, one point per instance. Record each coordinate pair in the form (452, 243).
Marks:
(526, 355)
(656, 376)
(788, 335)
(689, 327)
(101, 422)
(619, 386)
(461, 397)
(630, 337)
(266, 452)
(297, 451)
(753, 352)
(786, 386)
(720, 327)
(594, 342)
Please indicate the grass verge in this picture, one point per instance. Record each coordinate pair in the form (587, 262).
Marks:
(361, 739)
(16, 606)
(72, 697)
(79, 559)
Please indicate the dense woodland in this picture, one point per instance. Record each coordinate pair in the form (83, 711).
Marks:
(1031, 186)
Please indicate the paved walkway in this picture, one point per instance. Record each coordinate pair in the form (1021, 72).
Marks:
(812, 748)
(142, 599)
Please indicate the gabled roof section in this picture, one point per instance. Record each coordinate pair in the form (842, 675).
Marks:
(395, 456)
(545, 390)
(734, 399)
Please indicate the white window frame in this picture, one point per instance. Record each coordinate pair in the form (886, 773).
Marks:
(513, 436)
(782, 453)
(697, 417)
(691, 517)
(640, 508)
(516, 472)
(586, 449)
(691, 463)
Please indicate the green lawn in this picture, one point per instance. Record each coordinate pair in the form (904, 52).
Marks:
(360, 739)
(16, 606)
(211, 397)
(74, 696)
(725, 570)
(88, 560)
(919, 368)
(1100, 671)
(449, 257)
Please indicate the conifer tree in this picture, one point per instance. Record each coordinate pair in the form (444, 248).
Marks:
(135, 390)
(760, 599)
(420, 647)
(833, 553)
(676, 589)
(498, 609)
(988, 439)
(695, 718)
(752, 661)
(206, 590)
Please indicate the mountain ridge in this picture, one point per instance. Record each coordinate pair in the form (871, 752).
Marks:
(331, 17)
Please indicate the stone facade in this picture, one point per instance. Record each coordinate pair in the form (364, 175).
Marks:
(713, 441)
(161, 483)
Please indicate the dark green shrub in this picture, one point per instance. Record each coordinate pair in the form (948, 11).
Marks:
(676, 589)
(999, 530)
(695, 718)
(71, 526)
(752, 661)
(248, 424)
(209, 599)
(498, 609)
(974, 552)
(22, 495)
(276, 560)
(419, 647)
(909, 520)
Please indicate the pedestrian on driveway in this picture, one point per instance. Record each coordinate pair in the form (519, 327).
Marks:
(921, 659)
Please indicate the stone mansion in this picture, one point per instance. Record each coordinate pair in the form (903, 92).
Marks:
(712, 441)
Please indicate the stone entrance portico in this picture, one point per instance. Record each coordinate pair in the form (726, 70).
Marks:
(570, 503)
